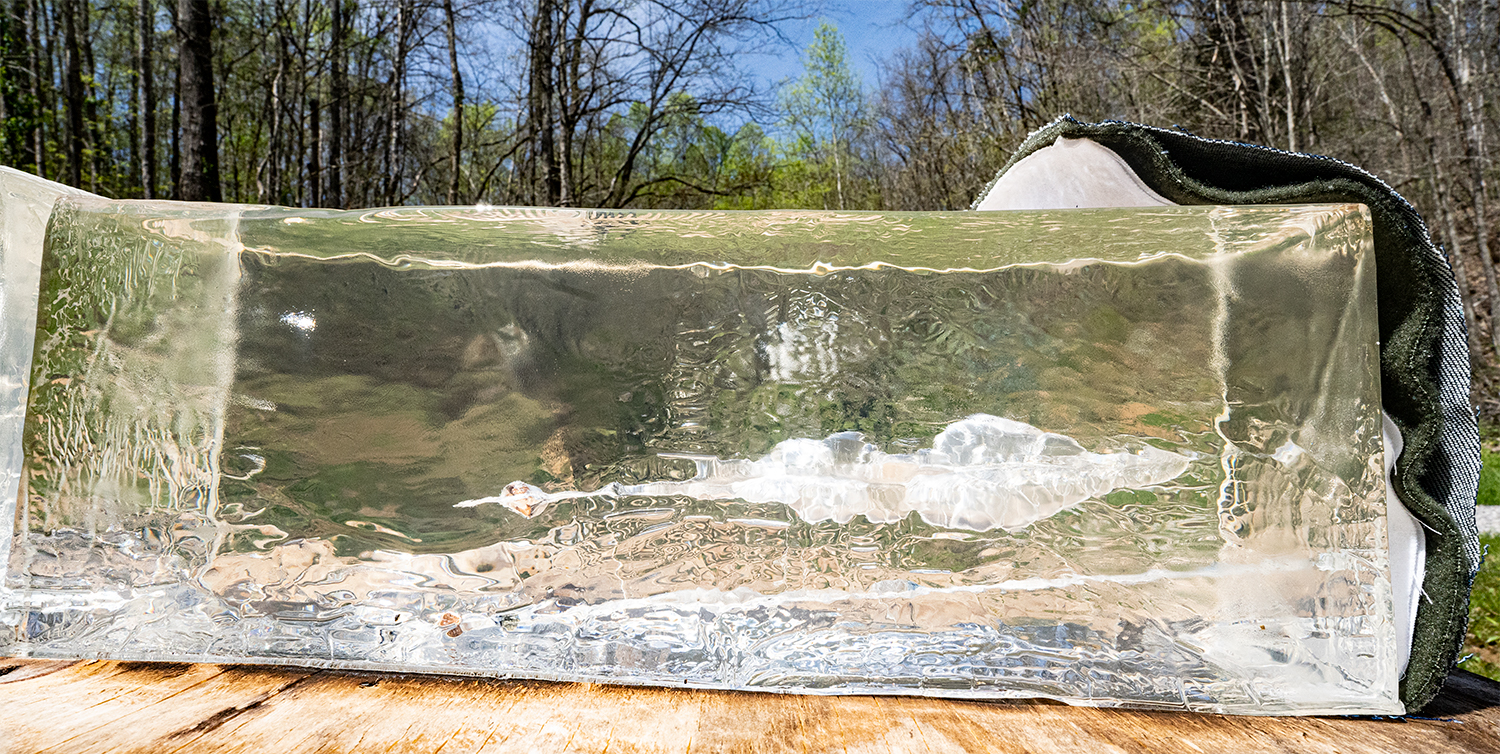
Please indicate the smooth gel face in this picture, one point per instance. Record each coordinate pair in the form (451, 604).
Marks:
(1104, 456)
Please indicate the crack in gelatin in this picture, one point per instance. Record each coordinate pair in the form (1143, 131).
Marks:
(982, 472)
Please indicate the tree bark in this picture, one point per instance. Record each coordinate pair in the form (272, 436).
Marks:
(199, 127)
(1475, 156)
(396, 106)
(269, 186)
(95, 138)
(540, 101)
(315, 161)
(20, 102)
(1437, 183)
(1444, 204)
(73, 94)
(1286, 78)
(573, 100)
(307, 133)
(458, 104)
(336, 96)
(38, 149)
(146, 94)
(1470, 108)
(175, 167)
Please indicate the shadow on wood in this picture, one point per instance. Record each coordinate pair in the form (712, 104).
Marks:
(1465, 694)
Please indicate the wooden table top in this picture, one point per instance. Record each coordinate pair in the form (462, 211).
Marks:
(165, 707)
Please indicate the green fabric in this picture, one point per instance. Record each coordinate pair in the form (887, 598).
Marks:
(1189, 170)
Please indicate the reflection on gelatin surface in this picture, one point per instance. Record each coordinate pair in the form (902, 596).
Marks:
(1111, 457)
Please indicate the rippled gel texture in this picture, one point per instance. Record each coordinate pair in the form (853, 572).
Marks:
(710, 449)
(25, 203)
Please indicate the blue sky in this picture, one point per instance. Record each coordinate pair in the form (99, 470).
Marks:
(871, 28)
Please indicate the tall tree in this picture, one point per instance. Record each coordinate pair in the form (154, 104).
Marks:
(73, 93)
(607, 78)
(826, 113)
(19, 99)
(34, 72)
(457, 92)
(337, 92)
(199, 130)
(396, 101)
(541, 98)
(1461, 36)
(146, 92)
(315, 155)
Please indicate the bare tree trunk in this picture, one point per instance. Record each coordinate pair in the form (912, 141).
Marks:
(838, 164)
(38, 135)
(540, 100)
(572, 99)
(307, 138)
(276, 105)
(315, 161)
(1263, 73)
(133, 121)
(265, 167)
(146, 94)
(96, 142)
(1470, 107)
(1437, 182)
(1444, 204)
(52, 67)
(1474, 148)
(1286, 78)
(395, 115)
(458, 105)
(336, 96)
(20, 103)
(73, 94)
(199, 112)
(175, 167)
(1230, 48)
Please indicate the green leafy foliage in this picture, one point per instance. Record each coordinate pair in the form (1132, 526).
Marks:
(825, 118)
(1489, 478)
(1483, 643)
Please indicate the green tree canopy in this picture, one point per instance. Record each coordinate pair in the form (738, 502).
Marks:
(826, 118)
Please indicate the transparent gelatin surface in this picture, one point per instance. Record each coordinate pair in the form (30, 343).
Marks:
(1104, 456)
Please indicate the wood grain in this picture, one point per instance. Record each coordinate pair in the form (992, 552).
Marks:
(51, 706)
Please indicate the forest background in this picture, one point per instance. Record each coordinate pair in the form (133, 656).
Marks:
(656, 103)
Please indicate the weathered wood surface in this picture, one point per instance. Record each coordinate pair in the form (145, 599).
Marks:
(145, 707)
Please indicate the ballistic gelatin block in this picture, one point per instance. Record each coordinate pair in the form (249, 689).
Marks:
(1112, 457)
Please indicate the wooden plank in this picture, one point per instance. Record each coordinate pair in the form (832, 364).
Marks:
(18, 670)
(89, 696)
(173, 723)
(144, 707)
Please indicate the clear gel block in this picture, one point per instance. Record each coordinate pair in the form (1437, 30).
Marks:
(1111, 457)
